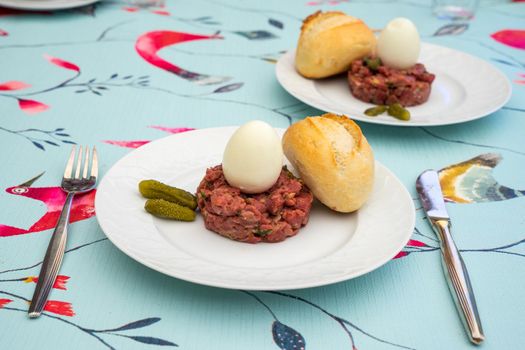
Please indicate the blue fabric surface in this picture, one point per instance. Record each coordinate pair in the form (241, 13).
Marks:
(94, 88)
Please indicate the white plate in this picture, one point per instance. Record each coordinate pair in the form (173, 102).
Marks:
(39, 5)
(465, 88)
(332, 247)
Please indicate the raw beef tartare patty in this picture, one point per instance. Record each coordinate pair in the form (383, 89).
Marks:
(271, 216)
(386, 86)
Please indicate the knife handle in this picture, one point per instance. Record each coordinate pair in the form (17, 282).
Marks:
(459, 282)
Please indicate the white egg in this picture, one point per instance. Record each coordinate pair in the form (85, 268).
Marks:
(253, 157)
(398, 44)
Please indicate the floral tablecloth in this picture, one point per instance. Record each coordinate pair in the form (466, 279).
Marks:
(95, 75)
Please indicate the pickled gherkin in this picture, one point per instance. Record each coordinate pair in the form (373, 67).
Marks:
(398, 111)
(168, 210)
(373, 63)
(153, 189)
(375, 111)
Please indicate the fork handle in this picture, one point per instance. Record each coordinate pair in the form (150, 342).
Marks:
(52, 261)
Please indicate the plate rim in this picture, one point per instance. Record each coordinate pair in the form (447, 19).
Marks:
(281, 63)
(411, 216)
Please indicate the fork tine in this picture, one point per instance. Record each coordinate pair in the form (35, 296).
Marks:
(94, 166)
(79, 163)
(69, 166)
(86, 164)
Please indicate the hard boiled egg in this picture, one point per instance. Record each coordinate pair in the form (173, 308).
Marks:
(398, 44)
(253, 157)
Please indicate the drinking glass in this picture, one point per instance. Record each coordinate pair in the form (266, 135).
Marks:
(454, 9)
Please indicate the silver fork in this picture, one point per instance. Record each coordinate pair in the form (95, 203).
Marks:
(72, 184)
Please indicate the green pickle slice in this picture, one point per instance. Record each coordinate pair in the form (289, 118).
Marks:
(169, 210)
(375, 111)
(154, 189)
(397, 111)
(373, 63)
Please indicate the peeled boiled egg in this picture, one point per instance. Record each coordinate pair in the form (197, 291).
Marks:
(253, 157)
(398, 44)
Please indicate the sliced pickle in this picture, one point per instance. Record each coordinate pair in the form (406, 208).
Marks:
(169, 210)
(373, 63)
(153, 189)
(397, 111)
(375, 111)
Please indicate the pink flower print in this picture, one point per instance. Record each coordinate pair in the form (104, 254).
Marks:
(53, 197)
(400, 255)
(13, 85)
(416, 243)
(130, 9)
(61, 63)
(128, 144)
(161, 12)
(60, 282)
(59, 307)
(511, 37)
(171, 130)
(31, 106)
(4, 302)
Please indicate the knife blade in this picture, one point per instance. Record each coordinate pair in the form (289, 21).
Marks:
(431, 196)
(429, 190)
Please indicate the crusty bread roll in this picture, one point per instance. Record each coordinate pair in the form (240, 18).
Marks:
(329, 42)
(333, 158)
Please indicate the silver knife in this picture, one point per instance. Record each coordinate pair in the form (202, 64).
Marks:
(429, 189)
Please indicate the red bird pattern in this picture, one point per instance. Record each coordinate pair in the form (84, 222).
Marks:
(149, 44)
(53, 197)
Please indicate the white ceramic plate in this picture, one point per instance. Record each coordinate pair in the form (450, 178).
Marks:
(332, 247)
(42, 5)
(465, 88)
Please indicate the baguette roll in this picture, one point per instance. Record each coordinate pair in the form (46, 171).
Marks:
(333, 158)
(329, 42)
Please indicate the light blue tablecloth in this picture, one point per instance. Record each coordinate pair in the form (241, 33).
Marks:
(89, 85)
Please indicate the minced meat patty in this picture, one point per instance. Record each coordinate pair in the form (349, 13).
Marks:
(386, 86)
(271, 216)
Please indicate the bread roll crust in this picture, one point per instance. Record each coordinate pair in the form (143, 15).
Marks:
(329, 42)
(333, 158)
